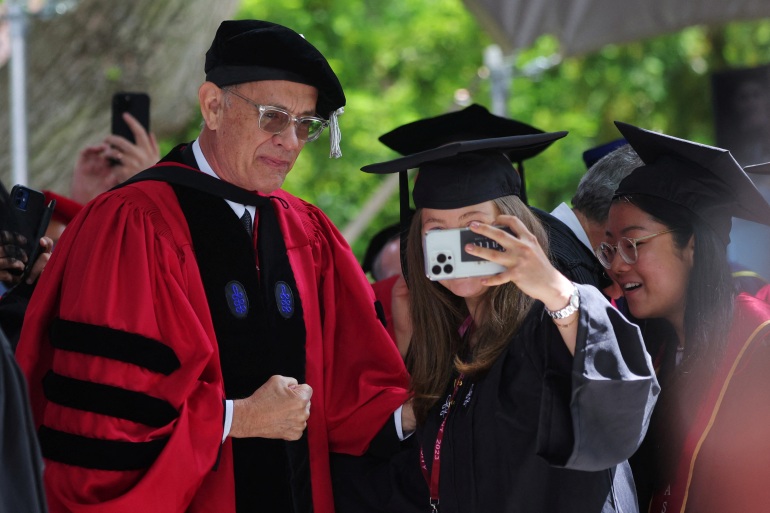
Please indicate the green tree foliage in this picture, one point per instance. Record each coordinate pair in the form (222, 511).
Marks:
(403, 60)
(398, 61)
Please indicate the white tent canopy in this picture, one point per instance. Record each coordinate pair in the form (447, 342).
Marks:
(583, 26)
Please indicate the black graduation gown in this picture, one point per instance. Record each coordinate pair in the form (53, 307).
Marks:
(21, 464)
(13, 305)
(543, 431)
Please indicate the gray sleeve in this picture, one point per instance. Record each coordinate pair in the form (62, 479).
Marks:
(613, 386)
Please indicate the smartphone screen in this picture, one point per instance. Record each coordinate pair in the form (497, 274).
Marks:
(469, 237)
(136, 104)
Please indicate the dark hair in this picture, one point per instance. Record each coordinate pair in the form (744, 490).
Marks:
(597, 187)
(710, 292)
(436, 347)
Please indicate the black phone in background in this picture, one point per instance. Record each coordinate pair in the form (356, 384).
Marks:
(28, 215)
(136, 104)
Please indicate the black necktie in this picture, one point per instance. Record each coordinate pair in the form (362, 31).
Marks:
(246, 220)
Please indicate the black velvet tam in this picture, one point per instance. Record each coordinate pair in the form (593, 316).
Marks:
(254, 50)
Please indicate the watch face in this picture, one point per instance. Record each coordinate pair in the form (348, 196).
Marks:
(574, 300)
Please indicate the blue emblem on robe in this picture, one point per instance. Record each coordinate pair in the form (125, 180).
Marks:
(284, 299)
(237, 300)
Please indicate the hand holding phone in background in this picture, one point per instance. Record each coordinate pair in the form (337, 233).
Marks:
(15, 265)
(128, 158)
(130, 149)
(24, 250)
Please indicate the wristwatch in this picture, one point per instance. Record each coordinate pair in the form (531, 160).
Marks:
(572, 306)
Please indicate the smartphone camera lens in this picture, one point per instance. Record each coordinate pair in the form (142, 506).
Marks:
(448, 269)
(21, 200)
(441, 258)
(436, 269)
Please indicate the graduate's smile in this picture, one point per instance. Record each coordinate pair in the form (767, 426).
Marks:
(631, 286)
(655, 284)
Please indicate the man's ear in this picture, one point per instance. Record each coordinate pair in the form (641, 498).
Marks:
(211, 99)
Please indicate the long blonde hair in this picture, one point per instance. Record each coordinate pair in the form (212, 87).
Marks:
(437, 349)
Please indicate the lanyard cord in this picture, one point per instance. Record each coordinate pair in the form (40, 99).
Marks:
(432, 478)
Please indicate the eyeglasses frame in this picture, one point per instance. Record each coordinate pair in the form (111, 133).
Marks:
(616, 249)
(296, 120)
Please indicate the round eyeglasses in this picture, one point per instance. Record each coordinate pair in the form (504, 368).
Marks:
(625, 246)
(274, 120)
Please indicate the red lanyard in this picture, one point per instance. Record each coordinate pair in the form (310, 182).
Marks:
(432, 478)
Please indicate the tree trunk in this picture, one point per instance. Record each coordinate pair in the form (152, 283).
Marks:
(75, 63)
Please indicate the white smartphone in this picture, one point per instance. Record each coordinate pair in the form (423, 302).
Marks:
(445, 258)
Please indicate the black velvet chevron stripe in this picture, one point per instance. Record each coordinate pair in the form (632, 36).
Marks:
(98, 454)
(108, 400)
(115, 344)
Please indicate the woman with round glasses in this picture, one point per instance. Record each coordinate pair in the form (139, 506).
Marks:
(708, 447)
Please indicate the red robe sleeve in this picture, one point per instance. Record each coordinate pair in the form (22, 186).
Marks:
(764, 294)
(123, 277)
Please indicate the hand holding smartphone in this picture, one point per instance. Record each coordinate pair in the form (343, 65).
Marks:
(445, 258)
(25, 223)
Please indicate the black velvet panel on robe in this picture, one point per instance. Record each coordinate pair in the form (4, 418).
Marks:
(252, 348)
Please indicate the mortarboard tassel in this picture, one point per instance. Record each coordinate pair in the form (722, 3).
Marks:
(335, 134)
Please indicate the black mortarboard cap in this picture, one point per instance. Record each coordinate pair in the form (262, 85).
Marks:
(471, 123)
(465, 173)
(706, 180)
(758, 169)
(253, 50)
(592, 155)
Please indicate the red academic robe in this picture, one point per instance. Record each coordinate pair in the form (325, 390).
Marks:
(127, 263)
(725, 459)
(764, 293)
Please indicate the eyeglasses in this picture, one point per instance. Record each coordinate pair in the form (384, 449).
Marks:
(274, 120)
(625, 246)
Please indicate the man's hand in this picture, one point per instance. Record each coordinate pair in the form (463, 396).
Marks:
(408, 420)
(13, 259)
(278, 409)
(42, 259)
(92, 174)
